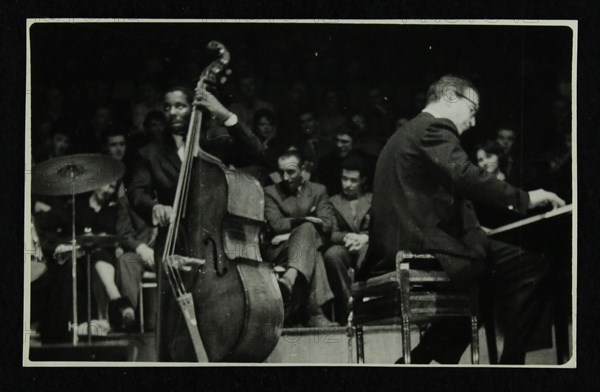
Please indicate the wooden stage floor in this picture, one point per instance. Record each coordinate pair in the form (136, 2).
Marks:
(296, 346)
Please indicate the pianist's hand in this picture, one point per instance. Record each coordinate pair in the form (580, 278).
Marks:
(541, 198)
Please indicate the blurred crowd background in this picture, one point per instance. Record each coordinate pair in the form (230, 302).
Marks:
(93, 77)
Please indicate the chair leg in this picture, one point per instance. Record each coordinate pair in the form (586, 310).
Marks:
(490, 337)
(561, 330)
(406, 346)
(403, 277)
(360, 348)
(474, 341)
(141, 307)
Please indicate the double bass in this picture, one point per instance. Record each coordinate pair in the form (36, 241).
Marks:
(226, 305)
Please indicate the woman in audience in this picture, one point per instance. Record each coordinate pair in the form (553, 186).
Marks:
(264, 126)
(488, 156)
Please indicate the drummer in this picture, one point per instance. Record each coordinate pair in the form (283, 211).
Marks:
(99, 212)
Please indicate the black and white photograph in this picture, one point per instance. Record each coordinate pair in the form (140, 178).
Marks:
(391, 193)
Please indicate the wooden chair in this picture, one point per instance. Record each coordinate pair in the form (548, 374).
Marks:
(417, 292)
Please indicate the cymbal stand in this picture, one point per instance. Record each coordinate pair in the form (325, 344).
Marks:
(73, 326)
(89, 295)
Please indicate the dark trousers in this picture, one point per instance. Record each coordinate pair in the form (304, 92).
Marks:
(302, 252)
(52, 298)
(338, 263)
(515, 278)
(129, 271)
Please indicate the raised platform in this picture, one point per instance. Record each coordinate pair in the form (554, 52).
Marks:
(383, 346)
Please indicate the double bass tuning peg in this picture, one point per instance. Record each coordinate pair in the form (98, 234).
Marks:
(223, 78)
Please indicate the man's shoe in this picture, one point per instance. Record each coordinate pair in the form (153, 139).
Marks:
(121, 314)
(320, 321)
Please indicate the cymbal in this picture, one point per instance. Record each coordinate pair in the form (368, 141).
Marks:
(94, 240)
(75, 173)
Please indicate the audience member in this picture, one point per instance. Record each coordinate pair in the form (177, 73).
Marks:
(52, 108)
(154, 125)
(249, 101)
(60, 142)
(488, 158)
(367, 142)
(558, 169)
(153, 131)
(329, 167)
(379, 115)
(311, 144)
(299, 217)
(331, 115)
(130, 266)
(350, 234)
(148, 99)
(264, 126)
(290, 109)
(89, 138)
(97, 212)
(509, 159)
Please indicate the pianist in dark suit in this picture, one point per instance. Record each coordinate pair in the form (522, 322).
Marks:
(424, 184)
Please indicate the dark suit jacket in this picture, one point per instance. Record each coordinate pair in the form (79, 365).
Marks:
(423, 185)
(154, 179)
(344, 223)
(283, 210)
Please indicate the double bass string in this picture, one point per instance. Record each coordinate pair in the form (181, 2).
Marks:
(173, 275)
(182, 192)
(186, 172)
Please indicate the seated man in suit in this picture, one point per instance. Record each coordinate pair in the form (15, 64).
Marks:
(424, 184)
(130, 268)
(299, 214)
(350, 235)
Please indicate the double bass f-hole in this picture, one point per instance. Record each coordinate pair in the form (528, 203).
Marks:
(217, 258)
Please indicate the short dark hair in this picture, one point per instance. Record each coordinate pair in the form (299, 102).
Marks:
(446, 84)
(154, 115)
(490, 147)
(260, 113)
(307, 110)
(111, 132)
(347, 129)
(354, 162)
(189, 93)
